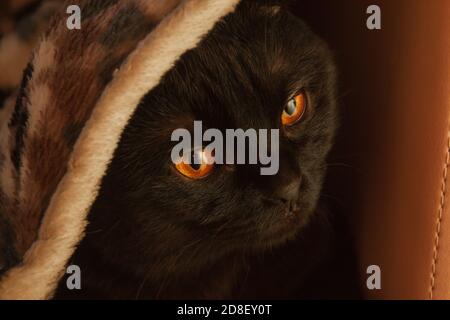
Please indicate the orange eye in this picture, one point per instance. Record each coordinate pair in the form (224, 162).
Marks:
(196, 171)
(294, 110)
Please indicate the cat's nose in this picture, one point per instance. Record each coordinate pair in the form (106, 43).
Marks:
(289, 193)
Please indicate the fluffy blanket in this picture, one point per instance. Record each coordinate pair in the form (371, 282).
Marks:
(66, 97)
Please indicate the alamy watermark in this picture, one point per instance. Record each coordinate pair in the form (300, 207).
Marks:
(374, 20)
(73, 22)
(374, 280)
(73, 281)
(237, 147)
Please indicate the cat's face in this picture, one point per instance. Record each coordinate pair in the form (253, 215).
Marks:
(243, 75)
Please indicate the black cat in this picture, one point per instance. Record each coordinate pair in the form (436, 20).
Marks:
(155, 233)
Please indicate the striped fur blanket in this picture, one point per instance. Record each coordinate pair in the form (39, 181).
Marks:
(64, 108)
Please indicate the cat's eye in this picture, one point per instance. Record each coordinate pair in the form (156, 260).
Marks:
(196, 171)
(294, 110)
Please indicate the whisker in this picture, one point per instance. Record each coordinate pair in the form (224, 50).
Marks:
(343, 165)
(141, 287)
(337, 200)
(340, 164)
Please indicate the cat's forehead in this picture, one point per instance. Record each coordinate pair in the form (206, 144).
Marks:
(244, 71)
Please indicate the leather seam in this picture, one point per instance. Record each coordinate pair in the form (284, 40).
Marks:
(437, 231)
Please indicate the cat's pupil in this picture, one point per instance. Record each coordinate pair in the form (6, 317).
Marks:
(291, 107)
(194, 158)
(195, 166)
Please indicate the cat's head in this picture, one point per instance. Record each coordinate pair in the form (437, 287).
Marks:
(245, 74)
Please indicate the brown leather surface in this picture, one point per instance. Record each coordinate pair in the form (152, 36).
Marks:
(392, 150)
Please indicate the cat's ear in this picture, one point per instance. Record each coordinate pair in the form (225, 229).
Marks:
(281, 3)
(272, 6)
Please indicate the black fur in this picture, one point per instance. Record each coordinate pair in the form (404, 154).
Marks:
(156, 234)
(8, 256)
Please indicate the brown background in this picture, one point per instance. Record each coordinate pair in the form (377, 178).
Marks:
(388, 166)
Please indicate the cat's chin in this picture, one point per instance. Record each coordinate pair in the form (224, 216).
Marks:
(284, 230)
